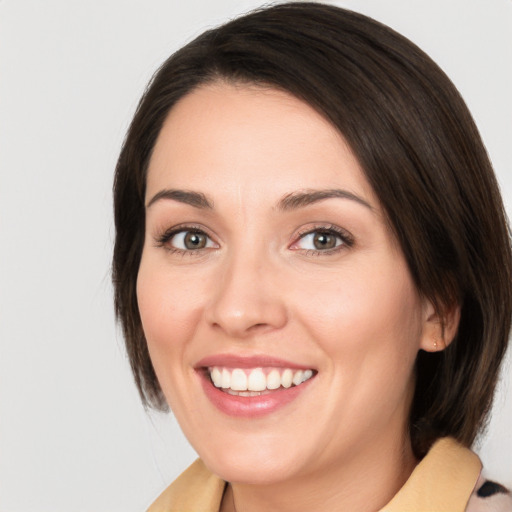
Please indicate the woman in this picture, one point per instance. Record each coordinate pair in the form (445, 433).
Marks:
(312, 267)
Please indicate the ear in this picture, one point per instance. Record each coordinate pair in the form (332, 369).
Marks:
(439, 327)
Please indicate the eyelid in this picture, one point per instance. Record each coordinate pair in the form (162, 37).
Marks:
(163, 237)
(346, 238)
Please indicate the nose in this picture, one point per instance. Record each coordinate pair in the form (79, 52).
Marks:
(247, 298)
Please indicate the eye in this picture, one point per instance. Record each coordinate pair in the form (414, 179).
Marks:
(323, 240)
(185, 240)
(190, 240)
(320, 241)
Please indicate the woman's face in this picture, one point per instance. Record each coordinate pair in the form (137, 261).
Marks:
(268, 264)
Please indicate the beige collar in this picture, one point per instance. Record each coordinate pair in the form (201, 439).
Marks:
(441, 482)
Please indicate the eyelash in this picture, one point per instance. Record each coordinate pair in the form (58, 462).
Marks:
(163, 239)
(347, 240)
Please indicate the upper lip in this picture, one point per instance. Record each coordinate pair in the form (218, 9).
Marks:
(253, 361)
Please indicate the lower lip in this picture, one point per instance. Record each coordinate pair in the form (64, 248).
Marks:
(250, 406)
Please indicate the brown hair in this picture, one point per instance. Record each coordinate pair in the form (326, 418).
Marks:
(421, 152)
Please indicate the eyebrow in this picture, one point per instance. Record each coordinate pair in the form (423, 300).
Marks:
(306, 197)
(291, 201)
(196, 199)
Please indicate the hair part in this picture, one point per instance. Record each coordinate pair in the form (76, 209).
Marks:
(420, 151)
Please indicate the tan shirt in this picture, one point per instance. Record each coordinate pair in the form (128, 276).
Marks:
(442, 482)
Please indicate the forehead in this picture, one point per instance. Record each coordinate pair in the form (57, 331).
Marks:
(250, 137)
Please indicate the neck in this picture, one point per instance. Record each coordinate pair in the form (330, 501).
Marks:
(364, 484)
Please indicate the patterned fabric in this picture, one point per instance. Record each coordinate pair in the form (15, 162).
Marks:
(490, 496)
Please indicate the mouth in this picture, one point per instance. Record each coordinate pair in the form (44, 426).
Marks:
(249, 382)
(252, 386)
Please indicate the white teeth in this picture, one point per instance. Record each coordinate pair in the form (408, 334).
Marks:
(246, 393)
(242, 382)
(273, 380)
(238, 380)
(257, 380)
(297, 377)
(287, 378)
(216, 377)
(226, 378)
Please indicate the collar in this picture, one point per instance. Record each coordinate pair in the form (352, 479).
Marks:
(442, 482)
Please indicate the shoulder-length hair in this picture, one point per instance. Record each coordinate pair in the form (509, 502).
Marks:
(420, 151)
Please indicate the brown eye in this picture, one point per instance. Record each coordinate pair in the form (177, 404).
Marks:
(188, 240)
(193, 240)
(323, 241)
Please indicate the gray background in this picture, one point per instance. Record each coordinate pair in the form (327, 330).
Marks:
(73, 435)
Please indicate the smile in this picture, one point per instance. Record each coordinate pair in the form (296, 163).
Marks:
(253, 386)
(256, 381)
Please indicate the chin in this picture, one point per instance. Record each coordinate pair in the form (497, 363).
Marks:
(255, 466)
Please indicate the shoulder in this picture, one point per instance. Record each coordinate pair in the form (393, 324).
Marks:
(489, 496)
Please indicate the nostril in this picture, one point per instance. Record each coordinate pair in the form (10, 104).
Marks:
(258, 325)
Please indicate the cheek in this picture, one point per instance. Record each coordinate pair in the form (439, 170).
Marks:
(366, 317)
(371, 329)
(169, 310)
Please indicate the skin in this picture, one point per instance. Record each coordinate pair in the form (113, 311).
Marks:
(258, 288)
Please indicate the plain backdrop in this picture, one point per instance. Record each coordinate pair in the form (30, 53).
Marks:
(73, 435)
